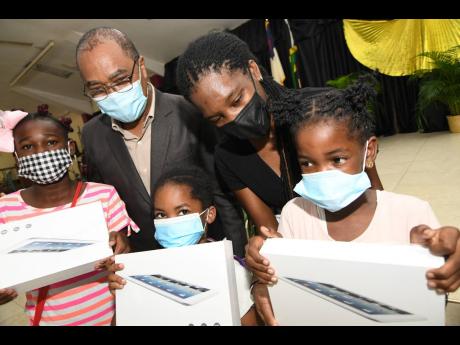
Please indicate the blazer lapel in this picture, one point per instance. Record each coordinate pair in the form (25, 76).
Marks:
(160, 142)
(121, 154)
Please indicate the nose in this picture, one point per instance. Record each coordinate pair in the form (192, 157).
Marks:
(222, 123)
(323, 168)
(227, 118)
(40, 148)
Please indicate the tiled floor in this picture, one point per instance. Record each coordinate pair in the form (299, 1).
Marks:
(426, 166)
(423, 165)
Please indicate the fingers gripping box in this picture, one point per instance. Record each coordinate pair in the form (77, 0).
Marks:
(344, 283)
(52, 247)
(192, 285)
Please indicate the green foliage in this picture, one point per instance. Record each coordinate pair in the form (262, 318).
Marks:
(345, 80)
(442, 83)
(249, 225)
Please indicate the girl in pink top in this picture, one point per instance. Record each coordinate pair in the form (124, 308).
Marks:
(335, 141)
(41, 146)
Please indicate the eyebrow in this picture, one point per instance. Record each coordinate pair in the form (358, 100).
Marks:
(45, 134)
(336, 151)
(330, 153)
(182, 205)
(227, 99)
(176, 208)
(302, 156)
(112, 76)
(232, 94)
(24, 139)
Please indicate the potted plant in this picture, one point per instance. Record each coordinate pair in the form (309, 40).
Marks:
(441, 84)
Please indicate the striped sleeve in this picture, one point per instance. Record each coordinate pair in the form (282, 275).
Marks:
(11, 208)
(117, 216)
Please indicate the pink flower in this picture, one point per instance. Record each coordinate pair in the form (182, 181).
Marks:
(8, 120)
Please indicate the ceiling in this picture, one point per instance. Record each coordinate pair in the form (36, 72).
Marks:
(21, 40)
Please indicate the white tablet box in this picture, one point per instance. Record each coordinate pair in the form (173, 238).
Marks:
(365, 282)
(82, 228)
(207, 267)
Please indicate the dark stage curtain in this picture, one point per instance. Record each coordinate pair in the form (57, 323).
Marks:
(323, 55)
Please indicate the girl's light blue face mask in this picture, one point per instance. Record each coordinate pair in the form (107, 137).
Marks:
(333, 190)
(125, 106)
(179, 231)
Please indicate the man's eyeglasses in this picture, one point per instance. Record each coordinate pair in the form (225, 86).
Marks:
(101, 92)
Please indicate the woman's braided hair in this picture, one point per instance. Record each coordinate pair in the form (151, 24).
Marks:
(219, 51)
(211, 53)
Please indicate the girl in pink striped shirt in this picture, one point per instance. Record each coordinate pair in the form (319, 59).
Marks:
(42, 148)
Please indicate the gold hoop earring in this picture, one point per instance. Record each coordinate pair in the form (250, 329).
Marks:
(370, 165)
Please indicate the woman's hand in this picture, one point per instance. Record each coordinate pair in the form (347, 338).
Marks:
(263, 304)
(256, 263)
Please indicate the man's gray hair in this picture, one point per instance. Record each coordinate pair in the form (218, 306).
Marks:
(96, 36)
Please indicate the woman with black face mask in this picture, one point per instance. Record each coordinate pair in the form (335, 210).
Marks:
(257, 159)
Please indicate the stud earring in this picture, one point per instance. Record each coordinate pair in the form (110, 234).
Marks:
(370, 165)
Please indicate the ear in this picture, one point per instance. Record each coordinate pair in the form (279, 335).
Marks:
(15, 155)
(255, 70)
(145, 75)
(72, 147)
(141, 63)
(372, 146)
(212, 214)
(257, 77)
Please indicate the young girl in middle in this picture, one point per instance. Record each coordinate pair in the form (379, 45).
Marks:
(188, 192)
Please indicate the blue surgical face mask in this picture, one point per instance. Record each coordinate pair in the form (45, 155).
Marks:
(125, 106)
(179, 231)
(333, 190)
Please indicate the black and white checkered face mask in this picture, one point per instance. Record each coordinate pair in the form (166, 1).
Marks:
(45, 167)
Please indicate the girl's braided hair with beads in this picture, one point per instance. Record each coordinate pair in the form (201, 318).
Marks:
(349, 105)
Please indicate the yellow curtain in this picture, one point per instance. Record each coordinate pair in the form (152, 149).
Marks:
(392, 46)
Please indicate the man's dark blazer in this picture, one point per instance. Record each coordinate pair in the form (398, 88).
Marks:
(180, 137)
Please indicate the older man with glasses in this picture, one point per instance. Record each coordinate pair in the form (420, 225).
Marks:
(142, 133)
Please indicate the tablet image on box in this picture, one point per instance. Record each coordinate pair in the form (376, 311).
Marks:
(176, 290)
(47, 245)
(356, 303)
